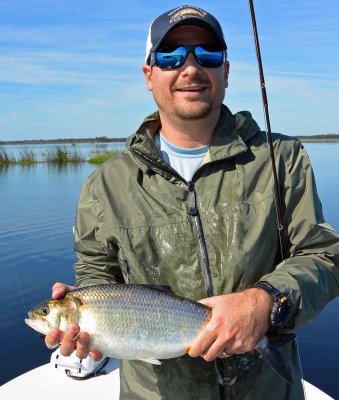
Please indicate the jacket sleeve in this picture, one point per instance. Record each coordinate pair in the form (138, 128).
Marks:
(96, 263)
(309, 275)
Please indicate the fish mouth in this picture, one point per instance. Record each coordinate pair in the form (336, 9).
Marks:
(37, 325)
(30, 322)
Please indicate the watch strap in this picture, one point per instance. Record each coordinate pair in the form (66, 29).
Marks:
(282, 306)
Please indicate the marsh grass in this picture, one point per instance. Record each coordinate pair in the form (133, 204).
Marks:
(6, 157)
(26, 156)
(100, 156)
(60, 155)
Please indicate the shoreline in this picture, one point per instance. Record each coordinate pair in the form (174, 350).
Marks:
(102, 140)
(318, 140)
(60, 155)
(96, 140)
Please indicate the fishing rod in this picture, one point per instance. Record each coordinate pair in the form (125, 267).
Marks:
(277, 197)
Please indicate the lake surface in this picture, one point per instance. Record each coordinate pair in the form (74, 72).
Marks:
(36, 218)
(40, 150)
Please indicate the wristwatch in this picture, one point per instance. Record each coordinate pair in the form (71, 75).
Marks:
(282, 306)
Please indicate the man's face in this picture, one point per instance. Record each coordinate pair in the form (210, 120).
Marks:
(189, 92)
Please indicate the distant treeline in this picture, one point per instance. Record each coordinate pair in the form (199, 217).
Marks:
(104, 139)
(323, 138)
(100, 139)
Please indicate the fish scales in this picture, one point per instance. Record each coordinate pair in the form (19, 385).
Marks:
(144, 321)
(131, 321)
(138, 322)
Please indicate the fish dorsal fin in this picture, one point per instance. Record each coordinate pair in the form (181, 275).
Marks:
(160, 288)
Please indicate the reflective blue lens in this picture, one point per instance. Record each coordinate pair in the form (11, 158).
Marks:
(174, 57)
(208, 59)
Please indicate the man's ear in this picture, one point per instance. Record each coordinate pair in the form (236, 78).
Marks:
(147, 70)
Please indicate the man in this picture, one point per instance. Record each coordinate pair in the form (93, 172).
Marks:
(189, 204)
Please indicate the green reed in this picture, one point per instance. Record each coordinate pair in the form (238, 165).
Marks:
(6, 157)
(60, 155)
(26, 156)
(100, 156)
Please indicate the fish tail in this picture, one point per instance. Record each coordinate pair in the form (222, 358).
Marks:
(274, 358)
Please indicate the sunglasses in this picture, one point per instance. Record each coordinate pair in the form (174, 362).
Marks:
(174, 56)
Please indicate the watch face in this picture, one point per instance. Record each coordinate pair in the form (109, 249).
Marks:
(280, 312)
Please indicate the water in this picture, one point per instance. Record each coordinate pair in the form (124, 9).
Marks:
(40, 150)
(36, 219)
(318, 341)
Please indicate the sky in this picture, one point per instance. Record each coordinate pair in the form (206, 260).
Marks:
(72, 68)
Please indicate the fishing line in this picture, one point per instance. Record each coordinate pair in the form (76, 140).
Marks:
(277, 198)
(20, 289)
(300, 368)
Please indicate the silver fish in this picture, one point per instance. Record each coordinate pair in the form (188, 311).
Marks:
(126, 321)
(136, 322)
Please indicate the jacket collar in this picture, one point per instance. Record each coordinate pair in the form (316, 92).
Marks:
(230, 137)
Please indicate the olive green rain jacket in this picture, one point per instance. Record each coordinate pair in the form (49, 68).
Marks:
(138, 221)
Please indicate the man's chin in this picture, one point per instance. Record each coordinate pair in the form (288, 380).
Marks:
(194, 113)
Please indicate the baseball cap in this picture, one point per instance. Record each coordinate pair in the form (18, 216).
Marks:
(180, 16)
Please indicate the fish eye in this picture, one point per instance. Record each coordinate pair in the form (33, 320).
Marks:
(45, 310)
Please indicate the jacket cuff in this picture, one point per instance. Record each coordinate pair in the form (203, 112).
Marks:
(281, 310)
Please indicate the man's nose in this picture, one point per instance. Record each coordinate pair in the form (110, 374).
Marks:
(191, 66)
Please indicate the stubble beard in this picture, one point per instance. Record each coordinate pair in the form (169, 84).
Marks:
(194, 110)
(194, 113)
(188, 112)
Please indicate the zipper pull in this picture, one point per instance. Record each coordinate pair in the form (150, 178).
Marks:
(192, 202)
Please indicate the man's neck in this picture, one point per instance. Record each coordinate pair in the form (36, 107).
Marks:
(189, 134)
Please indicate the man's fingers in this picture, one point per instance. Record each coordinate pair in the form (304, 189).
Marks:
(58, 285)
(96, 355)
(209, 301)
(204, 341)
(53, 338)
(216, 350)
(82, 345)
(225, 354)
(60, 289)
(68, 343)
(70, 340)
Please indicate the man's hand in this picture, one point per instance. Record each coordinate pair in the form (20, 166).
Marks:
(238, 322)
(71, 339)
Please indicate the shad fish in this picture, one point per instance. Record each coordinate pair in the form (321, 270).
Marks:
(135, 322)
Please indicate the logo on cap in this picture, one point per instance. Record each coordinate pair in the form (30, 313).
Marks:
(186, 12)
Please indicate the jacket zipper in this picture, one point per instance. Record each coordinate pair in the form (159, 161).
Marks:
(194, 212)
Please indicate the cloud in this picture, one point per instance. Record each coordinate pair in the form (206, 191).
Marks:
(298, 100)
(66, 68)
(74, 66)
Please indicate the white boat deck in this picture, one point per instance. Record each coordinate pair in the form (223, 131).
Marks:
(47, 382)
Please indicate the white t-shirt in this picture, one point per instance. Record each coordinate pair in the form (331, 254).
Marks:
(184, 161)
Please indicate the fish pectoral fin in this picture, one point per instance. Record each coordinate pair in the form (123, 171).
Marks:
(150, 361)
